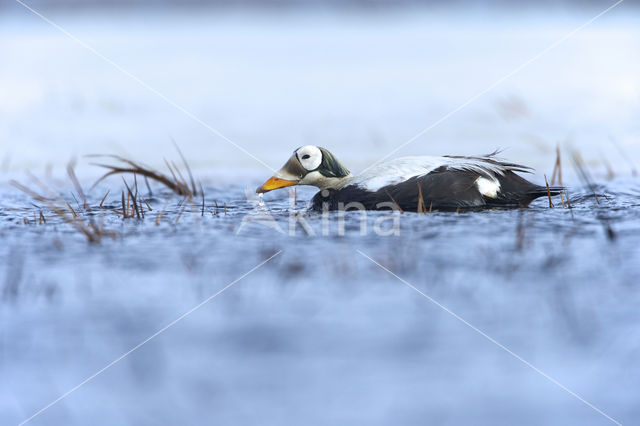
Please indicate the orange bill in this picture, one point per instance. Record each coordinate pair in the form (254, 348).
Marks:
(275, 183)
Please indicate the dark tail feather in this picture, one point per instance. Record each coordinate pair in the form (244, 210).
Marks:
(553, 190)
(542, 191)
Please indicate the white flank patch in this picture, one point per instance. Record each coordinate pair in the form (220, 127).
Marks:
(488, 188)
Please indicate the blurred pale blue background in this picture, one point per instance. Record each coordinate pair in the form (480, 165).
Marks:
(359, 77)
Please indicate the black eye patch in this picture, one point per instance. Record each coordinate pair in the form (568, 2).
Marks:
(304, 157)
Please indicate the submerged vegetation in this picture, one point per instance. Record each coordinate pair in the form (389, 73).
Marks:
(88, 219)
(93, 230)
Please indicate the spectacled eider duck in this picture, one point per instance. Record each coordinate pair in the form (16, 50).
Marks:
(443, 183)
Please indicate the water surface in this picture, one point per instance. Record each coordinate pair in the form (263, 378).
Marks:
(320, 333)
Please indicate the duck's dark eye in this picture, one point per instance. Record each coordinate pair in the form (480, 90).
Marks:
(304, 157)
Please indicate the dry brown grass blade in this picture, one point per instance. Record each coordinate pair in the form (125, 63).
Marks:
(29, 192)
(59, 207)
(131, 167)
(170, 169)
(104, 198)
(559, 165)
(548, 191)
(186, 166)
(74, 180)
(554, 173)
(183, 181)
(421, 207)
(71, 209)
(557, 168)
(151, 175)
(133, 199)
(161, 213)
(394, 202)
(184, 205)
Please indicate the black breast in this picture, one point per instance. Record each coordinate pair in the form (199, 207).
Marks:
(442, 189)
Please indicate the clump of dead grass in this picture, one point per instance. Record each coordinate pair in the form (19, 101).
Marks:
(133, 205)
(93, 231)
(175, 180)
